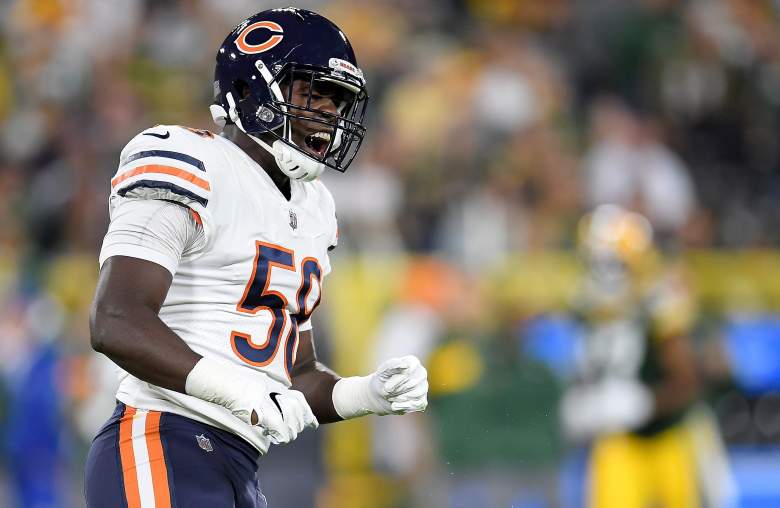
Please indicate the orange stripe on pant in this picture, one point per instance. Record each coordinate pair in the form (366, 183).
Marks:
(127, 457)
(166, 170)
(162, 496)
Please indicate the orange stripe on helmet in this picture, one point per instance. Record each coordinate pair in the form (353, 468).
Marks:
(127, 457)
(162, 495)
(272, 41)
(166, 170)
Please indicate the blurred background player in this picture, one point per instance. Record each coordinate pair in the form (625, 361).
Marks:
(636, 375)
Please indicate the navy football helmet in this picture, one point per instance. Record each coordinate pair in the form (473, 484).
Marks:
(253, 84)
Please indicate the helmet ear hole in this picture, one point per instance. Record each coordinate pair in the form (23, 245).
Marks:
(242, 88)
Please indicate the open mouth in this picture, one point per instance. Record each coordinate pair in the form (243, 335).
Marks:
(317, 143)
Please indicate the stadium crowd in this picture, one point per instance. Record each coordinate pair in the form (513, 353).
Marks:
(493, 126)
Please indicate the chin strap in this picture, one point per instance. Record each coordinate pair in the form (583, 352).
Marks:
(292, 162)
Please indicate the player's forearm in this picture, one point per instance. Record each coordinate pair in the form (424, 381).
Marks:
(139, 342)
(674, 396)
(680, 386)
(399, 386)
(316, 382)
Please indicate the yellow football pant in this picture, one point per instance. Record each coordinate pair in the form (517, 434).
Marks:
(627, 471)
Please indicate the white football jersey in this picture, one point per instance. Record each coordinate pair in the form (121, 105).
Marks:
(247, 292)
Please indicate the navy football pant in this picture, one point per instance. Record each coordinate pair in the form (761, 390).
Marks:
(149, 459)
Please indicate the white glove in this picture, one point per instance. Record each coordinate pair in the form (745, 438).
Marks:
(289, 418)
(612, 405)
(399, 386)
(280, 413)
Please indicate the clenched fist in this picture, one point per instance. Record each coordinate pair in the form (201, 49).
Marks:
(399, 386)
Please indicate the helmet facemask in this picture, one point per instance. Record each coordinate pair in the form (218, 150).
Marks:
(303, 139)
(337, 136)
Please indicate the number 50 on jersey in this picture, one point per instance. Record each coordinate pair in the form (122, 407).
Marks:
(259, 298)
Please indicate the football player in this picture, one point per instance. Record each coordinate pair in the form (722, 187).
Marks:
(636, 375)
(212, 266)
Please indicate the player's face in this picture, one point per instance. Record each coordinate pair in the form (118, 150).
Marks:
(326, 99)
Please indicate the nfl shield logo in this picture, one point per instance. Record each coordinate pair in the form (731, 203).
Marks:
(204, 443)
(293, 220)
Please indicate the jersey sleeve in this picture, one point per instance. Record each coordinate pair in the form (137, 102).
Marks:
(158, 231)
(166, 163)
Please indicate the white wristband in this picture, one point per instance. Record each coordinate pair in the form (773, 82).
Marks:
(354, 396)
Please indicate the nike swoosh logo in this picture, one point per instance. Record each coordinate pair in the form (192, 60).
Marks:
(161, 136)
(273, 396)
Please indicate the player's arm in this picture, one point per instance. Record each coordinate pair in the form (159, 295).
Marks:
(680, 384)
(314, 380)
(673, 316)
(125, 325)
(398, 386)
